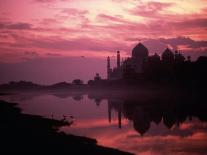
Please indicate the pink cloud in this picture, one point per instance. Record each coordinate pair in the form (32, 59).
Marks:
(77, 44)
(15, 26)
(150, 9)
(74, 12)
(71, 28)
(106, 18)
(47, 1)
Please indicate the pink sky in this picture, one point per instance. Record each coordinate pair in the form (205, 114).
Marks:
(33, 30)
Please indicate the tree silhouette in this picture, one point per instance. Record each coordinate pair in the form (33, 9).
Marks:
(77, 82)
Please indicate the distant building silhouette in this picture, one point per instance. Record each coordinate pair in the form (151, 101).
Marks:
(168, 57)
(142, 66)
(139, 57)
(97, 77)
(108, 68)
(170, 67)
(133, 65)
(179, 58)
(118, 59)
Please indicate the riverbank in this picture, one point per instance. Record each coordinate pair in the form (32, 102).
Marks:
(35, 134)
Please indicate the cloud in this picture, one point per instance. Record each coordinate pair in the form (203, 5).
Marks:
(191, 23)
(150, 9)
(44, 1)
(57, 43)
(161, 20)
(186, 45)
(47, 1)
(74, 11)
(15, 26)
(175, 42)
(49, 21)
(74, 16)
(119, 40)
(31, 53)
(54, 54)
(105, 18)
(78, 44)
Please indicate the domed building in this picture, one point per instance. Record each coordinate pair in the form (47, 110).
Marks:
(168, 56)
(135, 64)
(139, 57)
(143, 66)
(139, 51)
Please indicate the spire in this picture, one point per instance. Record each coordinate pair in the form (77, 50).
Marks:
(108, 67)
(118, 59)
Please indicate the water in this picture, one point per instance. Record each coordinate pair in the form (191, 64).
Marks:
(141, 124)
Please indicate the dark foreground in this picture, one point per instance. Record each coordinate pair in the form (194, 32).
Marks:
(28, 133)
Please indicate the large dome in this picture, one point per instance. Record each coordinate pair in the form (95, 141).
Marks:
(139, 51)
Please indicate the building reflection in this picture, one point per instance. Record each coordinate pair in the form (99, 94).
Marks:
(171, 109)
(112, 105)
(171, 112)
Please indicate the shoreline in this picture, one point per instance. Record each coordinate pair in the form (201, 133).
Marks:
(31, 133)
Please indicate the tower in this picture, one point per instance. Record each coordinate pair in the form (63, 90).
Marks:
(108, 68)
(118, 59)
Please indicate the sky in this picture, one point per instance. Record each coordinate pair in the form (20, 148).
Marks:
(47, 41)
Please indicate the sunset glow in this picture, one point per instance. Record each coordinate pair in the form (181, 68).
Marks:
(36, 29)
(103, 77)
(60, 26)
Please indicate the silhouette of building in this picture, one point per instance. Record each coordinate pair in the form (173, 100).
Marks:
(97, 77)
(168, 57)
(179, 58)
(139, 57)
(142, 66)
(133, 65)
(118, 59)
(109, 70)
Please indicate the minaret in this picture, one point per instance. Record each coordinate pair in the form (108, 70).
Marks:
(108, 68)
(118, 59)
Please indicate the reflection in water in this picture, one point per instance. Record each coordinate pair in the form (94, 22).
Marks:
(143, 115)
(150, 124)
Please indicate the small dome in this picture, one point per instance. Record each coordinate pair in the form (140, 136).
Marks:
(168, 52)
(167, 55)
(139, 51)
(156, 56)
